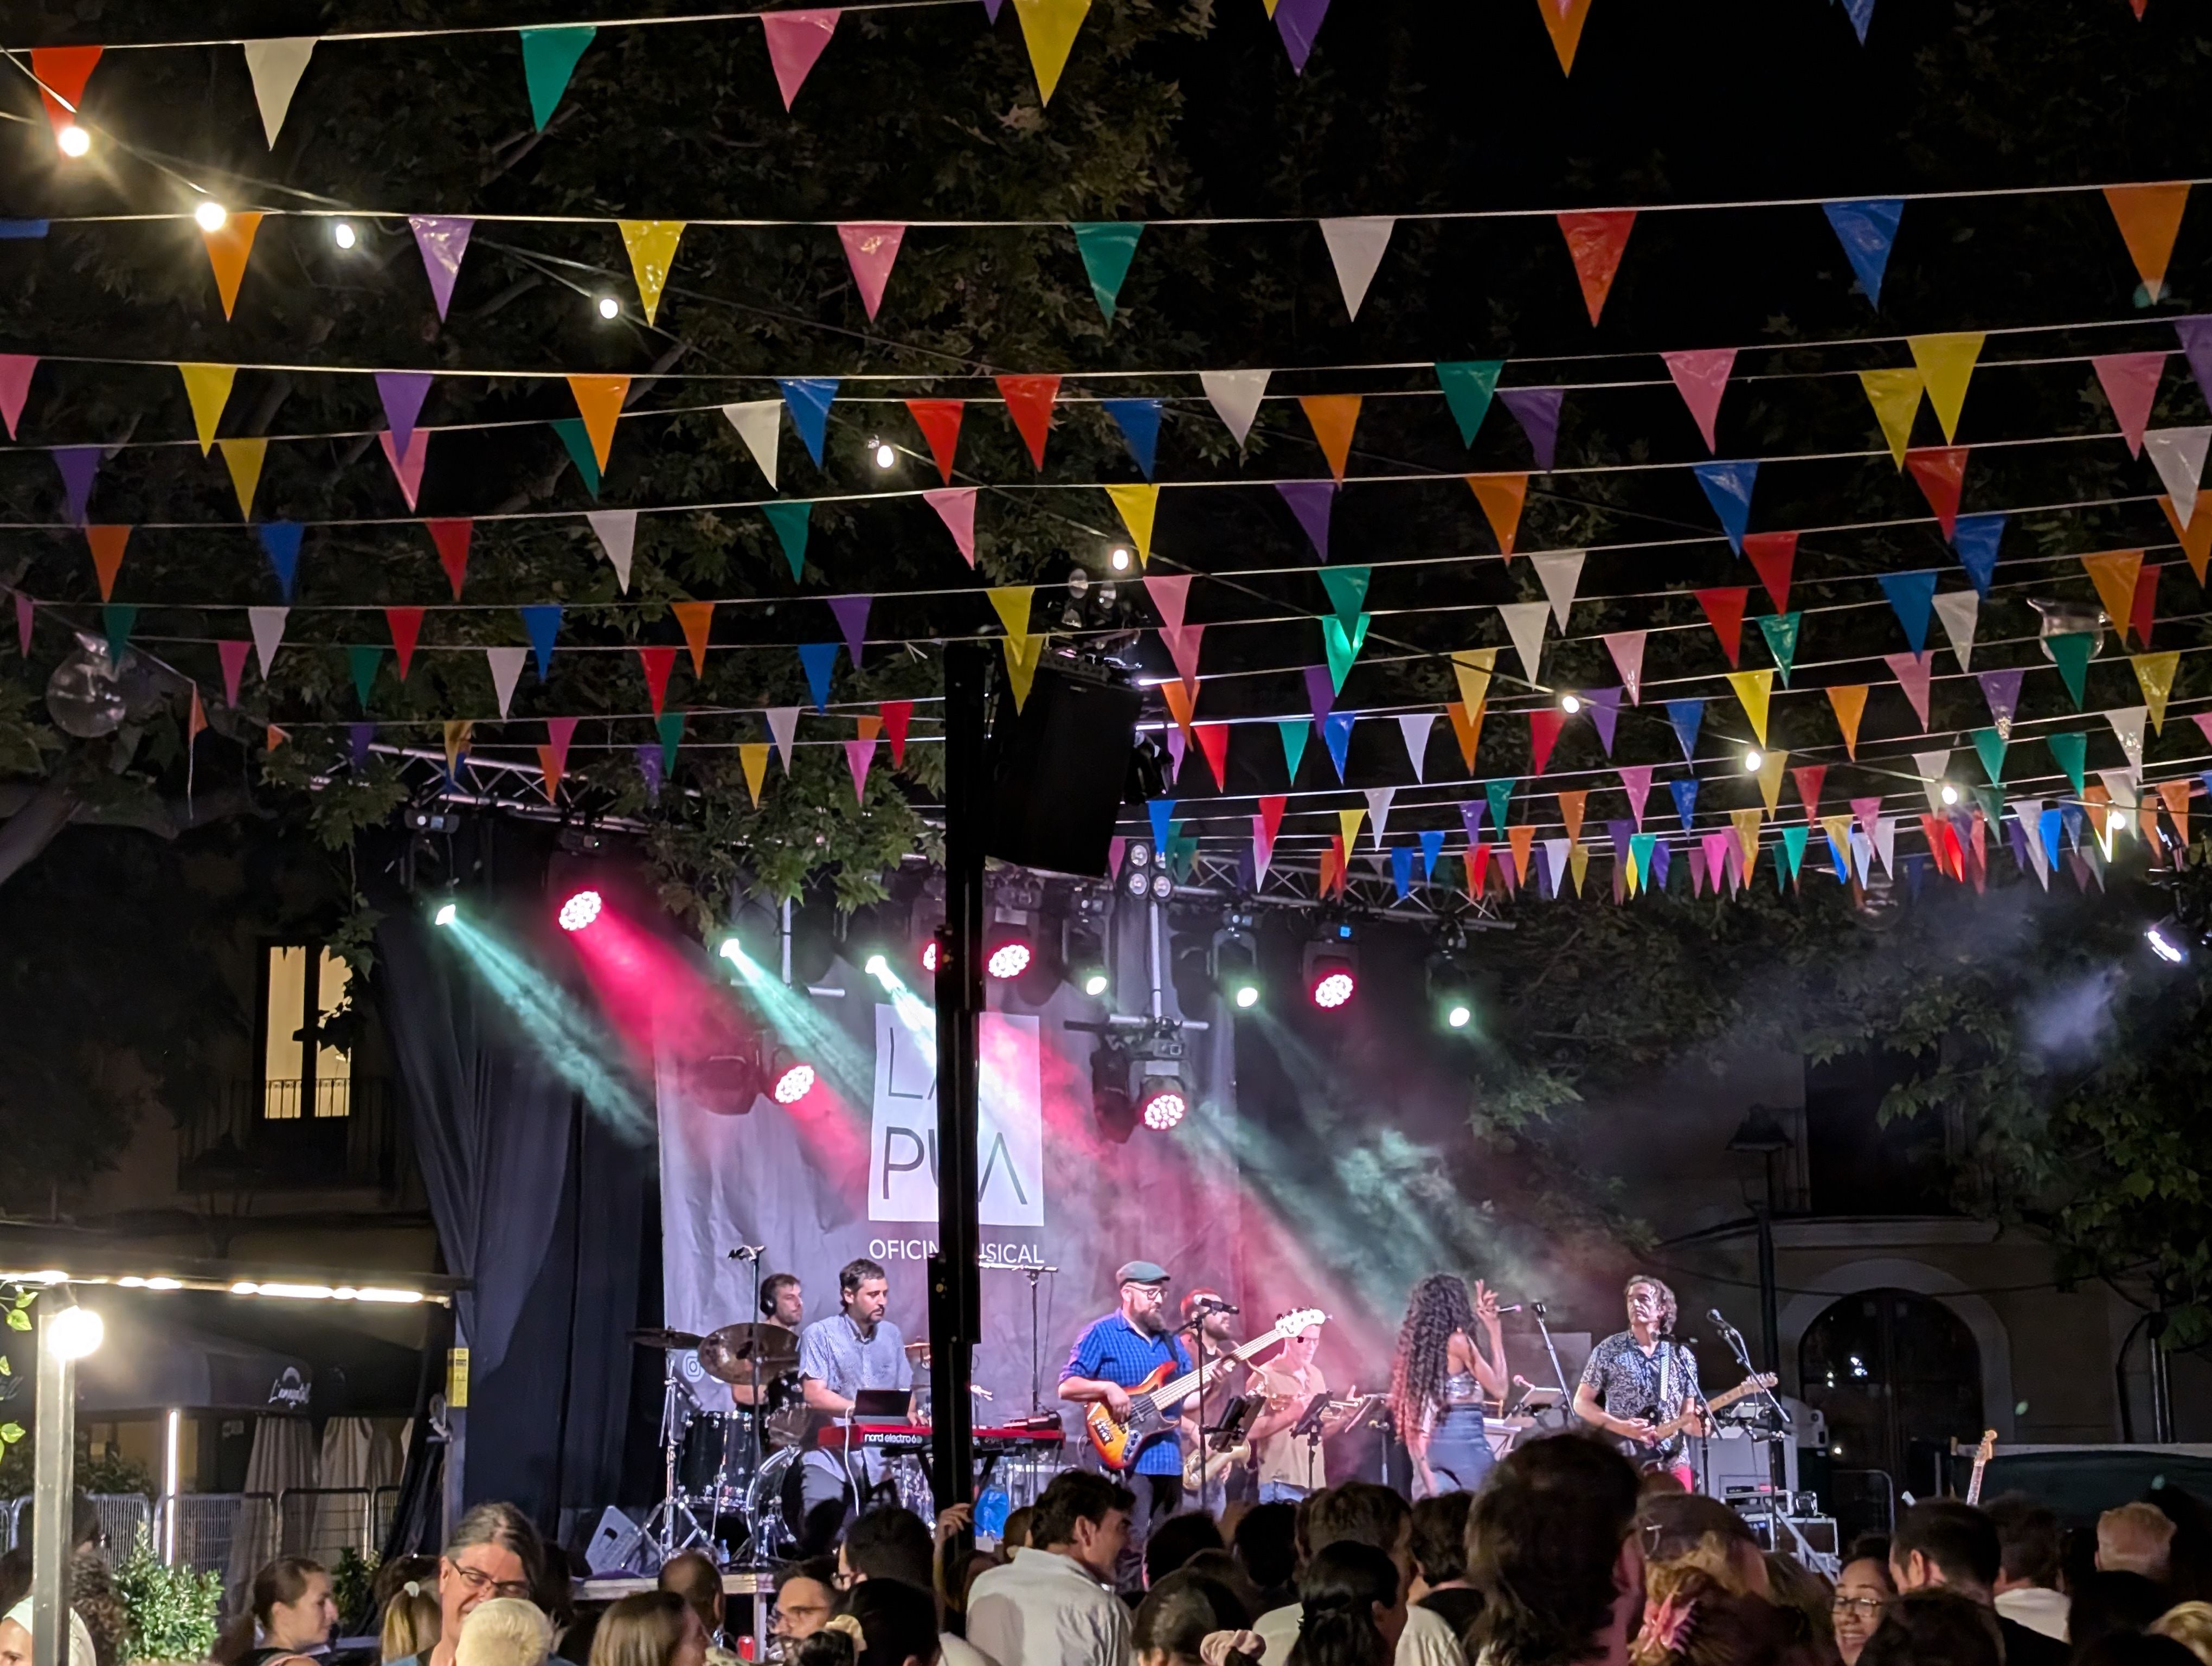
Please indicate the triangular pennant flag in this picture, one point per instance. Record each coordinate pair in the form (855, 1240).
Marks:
(228, 247)
(553, 756)
(1913, 672)
(652, 247)
(548, 58)
(1990, 746)
(1724, 611)
(1297, 21)
(1107, 247)
(1235, 396)
(1975, 537)
(1605, 715)
(207, 388)
(2070, 749)
(956, 508)
(696, 621)
(1701, 377)
(1537, 410)
(108, 545)
(1946, 365)
(651, 766)
(1213, 745)
(507, 665)
(1333, 417)
(1809, 778)
(670, 725)
(1544, 723)
(574, 440)
(1311, 501)
(1563, 21)
(61, 73)
(1524, 624)
(1336, 738)
(1184, 644)
(1477, 860)
(1170, 595)
(616, 530)
(275, 737)
(231, 653)
(1772, 556)
(1467, 729)
(2155, 674)
(1685, 717)
(851, 613)
(817, 661)
(1355, 248)
(1499, 793)
(1958, 610)
(405, 624)
(2174, 795)
(2128, 725)
(1770, 768)
(870, 250)
(1379, 811)
(1685, 793)
(1413, 728)
(1849, 702)
(1754, 689)
(657, 662)
(600, 402)
(1866, 228)
(939, 423)
(1295, 732)
(361, 661)
(1030, 402)
(1793, 847)
(452, 538)
(860, 753)
(791, 521)
(1502, 496)
(1138, 506)
(1626, 647)
(1472, 669)
(1347, 590)
(2149, 218)
(242, 460)
(441, 240)
(1468, 385)
(783, 730)
(2131, 384)
(1559, 573)
(2177, 455)
(1746, 833)
(2001, 690)
(1048, 30)
(809, 398)
(1635, 783)
(1911, 594)
(267, 624)
(15, 370)
(1780, 630)
(898, 717)
(1727, 489)
(1139, 422)
(2195, 335)
(795, 40)
(1573, 807)
(541, 623)
(2195, 538)
(402, 393)
(1595, 242)
(1432, 846)
(1342, 647)
(1941, 473)
(1895, 397)
(1266, 825)
(1011, 604)
(2114, 574)
(759, 423)
(1578, 855)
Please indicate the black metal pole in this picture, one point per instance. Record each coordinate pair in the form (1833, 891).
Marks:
(1769, 1314)
(955, 1303)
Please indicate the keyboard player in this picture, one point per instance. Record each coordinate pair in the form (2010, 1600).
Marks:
(854, 1349)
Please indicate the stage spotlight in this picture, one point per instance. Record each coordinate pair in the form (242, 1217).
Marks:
(929, 956)
(2168, 940)
(1161, 1103)
(790, 1078)
(1236, 957)
(445, 915)
(1009, 958)
(1011, 945)
(1459, 1015)
(1332, 965)
(731, 950)
(73, 140)
(1083, 937)
(1095, 983)
(878, 968)
(1109, 1092)
(580, 910)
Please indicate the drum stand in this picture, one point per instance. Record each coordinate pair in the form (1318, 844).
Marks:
(671, 1528)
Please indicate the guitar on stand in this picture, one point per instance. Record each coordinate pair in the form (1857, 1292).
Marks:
(1983, 1454)
(1116, 1439)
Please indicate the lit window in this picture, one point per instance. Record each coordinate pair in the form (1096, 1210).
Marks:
(302, 1074)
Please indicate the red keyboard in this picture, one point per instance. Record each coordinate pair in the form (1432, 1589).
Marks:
(913, 1438)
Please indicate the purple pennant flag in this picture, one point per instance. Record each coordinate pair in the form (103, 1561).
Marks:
(1471, 812)
(1604, 713)
(1662, 860)
(1319, 690)
(1176, 745)
(2002, 690)
(1537, 410)
(1620, 833)
(2017, 836)
(78, 465)
(2196, 334)
(358, 735)
(1309, 500)
(649, 765)
(1546, 881)
(443, 240)
(403, 391)
(991, 8)
(1298, 21)
(851, 613)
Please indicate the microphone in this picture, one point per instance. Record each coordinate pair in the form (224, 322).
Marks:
(1718, 1318)
(747, 1252)
(1214, 1305)
(1519, 1306)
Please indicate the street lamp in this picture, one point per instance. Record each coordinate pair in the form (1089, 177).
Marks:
(66, 1334)
(1762, 1135)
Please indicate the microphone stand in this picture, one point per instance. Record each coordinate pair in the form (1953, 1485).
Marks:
(1775, 1483)
(1537, 1310)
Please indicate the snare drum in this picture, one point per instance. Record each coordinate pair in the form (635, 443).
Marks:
(716, 1459)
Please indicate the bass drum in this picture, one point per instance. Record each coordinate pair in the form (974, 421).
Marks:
(716, 1460)
(774, 1508)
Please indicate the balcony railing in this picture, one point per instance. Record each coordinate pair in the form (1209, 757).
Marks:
(253, 1136)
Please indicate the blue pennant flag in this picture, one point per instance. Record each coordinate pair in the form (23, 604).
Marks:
(1727, 489)
(280, 542)
(1336, 735)
(1685, 715)
(1139, 422)
(1866, 228)
(1912, 594)
(1161, 812)
(1915, 870)
(818, 659)
(1432, 845)
(1860, 12)
(1401, 868)
(1976, 538)
(1686, 801)
(808, 398)
(2052, 827)
(544, 623)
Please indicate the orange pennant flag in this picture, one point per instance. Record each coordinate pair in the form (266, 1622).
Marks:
(1332, 417)
(1468, 728)
(106, 543)
(551, 766)
(1595, 243)
(598, 402)
(2195, 539)
(1181, 704)
(1501, 497)
(2174, 794)
(696, 618)
(1850, 702)
(2149, 217)
(276, 738)
(227, 245)
(1563, 21)
(2114, 574)
(1521, 836)
(1571, 805)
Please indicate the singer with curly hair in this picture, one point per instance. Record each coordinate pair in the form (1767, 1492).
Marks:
(1440, 1379)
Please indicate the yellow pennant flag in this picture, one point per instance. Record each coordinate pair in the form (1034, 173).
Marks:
(243, 458)
(207, 387)
(752, 757)
(1012, 602)
(1349, 820)
(1270, 5)
(2155, 672)
(1753, 688)
(1632, 880)
(1578, 865)
(1473, 666)
(600, 402)
(1048, 29)
(1895, 397)
(1136, 506)
(652, 246)
(1850, 702)
(1023, 654)
(1947, 363)
(1746, 835)
(457, 741)
(1769, 779)
(1838, 830)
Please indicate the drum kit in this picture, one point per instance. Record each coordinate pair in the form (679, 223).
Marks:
(731, 1476)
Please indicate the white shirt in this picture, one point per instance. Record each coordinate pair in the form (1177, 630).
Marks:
(1044, 1609)
(958, 1651)
(2037, 1607)
(1427, 1640)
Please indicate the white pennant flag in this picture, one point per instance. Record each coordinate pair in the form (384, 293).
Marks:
(759, 423)
(2121, 784)
(1933, 767)
(1236, 395)
(1356, 247)
(2128, 723)
(783, 728)
(1378, 810)
(275, 67)
(507, 665)
(1263, 851)
(2030, 812)
(2177, 455)
(1885, 844)
(1415, 727)
(1560, 571)
(1862, 854)
(268, 624)
(1626, 647)
(618, 531)
(1555, 859)
(1957, 612)
(1524, 624)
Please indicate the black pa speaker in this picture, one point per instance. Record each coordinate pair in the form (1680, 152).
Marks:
(1057, 766)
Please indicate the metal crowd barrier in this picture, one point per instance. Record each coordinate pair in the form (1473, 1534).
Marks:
(321, 1522)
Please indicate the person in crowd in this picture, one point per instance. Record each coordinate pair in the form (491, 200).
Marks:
(1439, 1379)
(1017, 1535)
(2102, 1603)
(1791, 1585)
(506, 1630)
(651, 1629)
(806, 1597)
(1929, 1626)
(2189, 1573)
(1694, 1618)
(1175, 1541)
(1552, 1546)
(1224, 1569)
(1863, 1591)
(1362, 1513)
(1266, 1544)
(410, 1616)
(1696, 1531)
(1054, 1604)
(886, 1622)
(494, 1552)
(1352, 1608)
(2135, 1538)
(15, 1638)
(290, 1613)
(1439, 1548)
(1178, 1613)
(2027, 1578)
(888, 1542)
(2189, 1624)
(2134, 1649)
(694, 1577)
(1949, 1543)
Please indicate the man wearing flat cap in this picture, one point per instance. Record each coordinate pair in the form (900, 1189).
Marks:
(1111, 1357)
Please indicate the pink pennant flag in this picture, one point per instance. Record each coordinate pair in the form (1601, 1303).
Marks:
(25, 608)
(1867, 814)
(233, 655)
(15, 370)
(795, 40)
(2131, 384)
(1636, 781)
(1169, 595)
(1716, 846)
(1913, 672)
(870, 250)
(1626, 647)
(1182, 648)
(860, 754)
(956, 508)
(407, 467)
(559, 732)
(1702, 376)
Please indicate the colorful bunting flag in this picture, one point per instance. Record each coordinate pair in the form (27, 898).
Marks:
(1355, 249)
(870, 250)
(1107, 247)
(795, 40)
(442, 241)
(1502, 496)
(1866, 228)
(2149, 218)
(652, 247)
(1595, 242)
(548, 58)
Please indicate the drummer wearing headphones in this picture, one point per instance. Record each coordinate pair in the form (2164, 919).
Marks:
(783, 1305)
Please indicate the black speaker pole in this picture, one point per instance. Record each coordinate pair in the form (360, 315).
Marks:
(955, 1297)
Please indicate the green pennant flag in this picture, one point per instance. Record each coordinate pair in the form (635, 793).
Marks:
(790, 520)
(579, 442)
(548, 58)
(1343, 648)
(1107, 247)
(2071, 649)
(1992, 799)
(1793, 844)
(670, 725)
(118, 620)
(1182, 851)
(1347, 590)
(1296, 730)
(2072, 749)
(1467, 388)
(362, 659)
(1500, 794)
(1640, 847)
(1780, 630)
(1991, 745)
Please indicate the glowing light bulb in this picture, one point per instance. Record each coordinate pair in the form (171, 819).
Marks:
(1119, 559)
(75, 1332)
(1571, 703)
(210, 214)
(1096, 984)
(73, 140)
(444, 916)
(609, 307)
(1950, 793)
(1752, 763)
(885, 456)
(343, 234)
(1458, 1017)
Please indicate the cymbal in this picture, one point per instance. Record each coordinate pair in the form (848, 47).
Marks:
(659, 1338)
(729, 1353)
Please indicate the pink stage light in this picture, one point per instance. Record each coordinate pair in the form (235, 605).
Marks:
(580, 910)
(1164, 1107)
(796, 1082)
(929, 956)
(1332, 989)
(1010, 958)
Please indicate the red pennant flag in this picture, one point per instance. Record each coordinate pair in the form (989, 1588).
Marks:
(233, 655)
(1941, 472)
(1502, 496)
(2131, 384)
(1544, 723)
(1213, 741)
(1029, 401)
(1271, 806)
(405, 624)
(1772, 554)
(2144, 613)
(659, 662)
(697, 618)
(1594, 242)
(452, 537)
(65, 69)
(1724, 608)
(553, 757)
(1477, 858)
(1809, 778)
(939, 423)
(897, 716)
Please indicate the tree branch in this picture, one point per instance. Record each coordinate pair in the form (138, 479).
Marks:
(40, 815)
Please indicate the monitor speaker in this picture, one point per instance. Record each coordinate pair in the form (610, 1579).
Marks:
(614, 1545)
(1057, 766)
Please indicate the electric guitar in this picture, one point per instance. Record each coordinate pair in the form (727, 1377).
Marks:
(1983, 1454)
(1662, 1433)
(1116, 1439)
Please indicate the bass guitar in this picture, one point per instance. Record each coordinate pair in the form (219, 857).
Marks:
(1116, 1439)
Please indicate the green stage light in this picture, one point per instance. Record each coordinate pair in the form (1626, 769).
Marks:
(445, 915)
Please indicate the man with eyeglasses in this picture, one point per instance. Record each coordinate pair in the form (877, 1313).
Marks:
(494, 1552)
(805, 1595)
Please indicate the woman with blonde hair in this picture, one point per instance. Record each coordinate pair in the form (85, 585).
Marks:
(652, 1628)
(2189, 1624)
(506, 1631)
(411, 1620)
